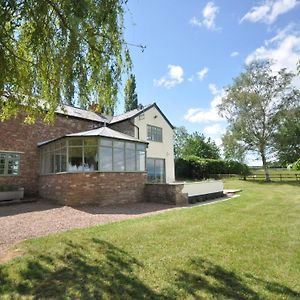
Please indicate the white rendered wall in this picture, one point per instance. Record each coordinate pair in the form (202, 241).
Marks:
(162, 149)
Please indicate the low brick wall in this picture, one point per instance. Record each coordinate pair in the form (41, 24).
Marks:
(166, 193)
(93, 188)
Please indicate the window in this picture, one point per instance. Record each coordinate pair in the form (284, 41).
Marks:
(9, 164)
(154, 133)
(140, 157)
(130, 160)
(156, 170)
(118, 156)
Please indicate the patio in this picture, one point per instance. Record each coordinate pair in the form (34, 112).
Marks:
(35, 219)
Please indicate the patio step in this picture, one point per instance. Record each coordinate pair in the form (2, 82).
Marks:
(205, 197)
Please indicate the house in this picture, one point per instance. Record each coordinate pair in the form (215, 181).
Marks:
(85, 157)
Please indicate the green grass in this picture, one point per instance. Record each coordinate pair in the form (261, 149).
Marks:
(244, 248)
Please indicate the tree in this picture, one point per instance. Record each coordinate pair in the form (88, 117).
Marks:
(131, 98)
(180, 137)
(196, 144)
(233, 149)
(287, 138)
(253, 106)
(55, 51)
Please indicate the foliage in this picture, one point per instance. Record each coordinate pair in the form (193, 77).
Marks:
(287, 138)
(296, 165)
(54, 51)
(232, 148)
(193, 167)
(131, 98)
(180, 137)
(198, 145)
(254, 106)
(194, 144)
(202, 253)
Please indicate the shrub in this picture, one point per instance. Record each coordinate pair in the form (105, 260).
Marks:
(296, 165)
(194, 167)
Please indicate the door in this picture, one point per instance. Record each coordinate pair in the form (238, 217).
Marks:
(156, 170)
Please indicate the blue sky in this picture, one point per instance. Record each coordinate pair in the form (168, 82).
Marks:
(195, 48)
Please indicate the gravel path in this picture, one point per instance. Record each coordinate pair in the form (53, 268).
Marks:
(27, 220)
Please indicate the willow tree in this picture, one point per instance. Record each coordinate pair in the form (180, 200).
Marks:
(56, 51)
(256, 104)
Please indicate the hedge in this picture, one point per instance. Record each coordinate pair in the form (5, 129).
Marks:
(194, 167)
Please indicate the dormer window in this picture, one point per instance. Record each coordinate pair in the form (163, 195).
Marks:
(154, 133)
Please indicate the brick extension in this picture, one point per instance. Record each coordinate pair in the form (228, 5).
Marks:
(17, 136)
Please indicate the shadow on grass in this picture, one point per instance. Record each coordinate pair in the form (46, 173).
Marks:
(205, 278)
(97, 271)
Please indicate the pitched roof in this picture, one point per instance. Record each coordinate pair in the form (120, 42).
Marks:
(130, 114)
(90, 115)
(106, 132)
(82, 113)
(136, 112)
(101, 131)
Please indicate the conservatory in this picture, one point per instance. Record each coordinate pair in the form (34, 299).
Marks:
(100, 166)
(99, 150)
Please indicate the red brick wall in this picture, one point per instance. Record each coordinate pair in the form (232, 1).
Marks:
(16, 136)
(93, 188)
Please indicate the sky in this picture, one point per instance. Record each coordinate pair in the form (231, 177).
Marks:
(195, 48)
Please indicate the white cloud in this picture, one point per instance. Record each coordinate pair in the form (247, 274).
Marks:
(215, 129)
(234, 54)
(201, 74)
(191, 79)
(172, 78)
(195, 22)
(209, 14)
(269, 11)
(199, 115)
(213, 89)
(206, 115)
(283, 49)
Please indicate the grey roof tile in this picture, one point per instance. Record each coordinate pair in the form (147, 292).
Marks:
(82, 113)
(101, 131)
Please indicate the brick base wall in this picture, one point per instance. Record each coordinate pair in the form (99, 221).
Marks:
(166, 193)
(93, 188)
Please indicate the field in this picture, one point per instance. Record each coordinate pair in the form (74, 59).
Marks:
(244, 248)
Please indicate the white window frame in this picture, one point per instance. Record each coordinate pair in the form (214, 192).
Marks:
(153, 133)
(6, 160)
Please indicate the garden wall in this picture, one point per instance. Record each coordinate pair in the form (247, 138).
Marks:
(167, 193)
(93, 188)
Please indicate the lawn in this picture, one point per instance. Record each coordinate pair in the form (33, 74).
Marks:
(243, 248)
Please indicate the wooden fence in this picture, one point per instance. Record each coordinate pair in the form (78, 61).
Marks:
(278, 177)
(260, 176)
